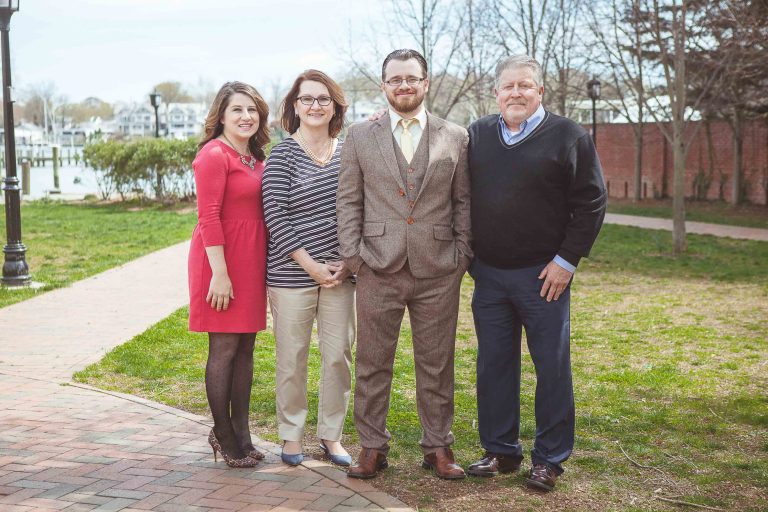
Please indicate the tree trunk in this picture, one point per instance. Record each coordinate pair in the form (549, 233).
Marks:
(738, 152)
(638, 161)
(710, 150)
(679, 244)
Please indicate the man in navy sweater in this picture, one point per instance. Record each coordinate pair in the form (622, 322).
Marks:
(538, 202)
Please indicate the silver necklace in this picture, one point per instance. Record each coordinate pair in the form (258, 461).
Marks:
(250, 162)
(305, 146)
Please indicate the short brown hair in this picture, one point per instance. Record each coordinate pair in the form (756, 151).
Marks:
(290, 120)
(404, 54)
(214, 128)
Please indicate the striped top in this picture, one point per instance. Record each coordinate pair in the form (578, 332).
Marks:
(300, 212)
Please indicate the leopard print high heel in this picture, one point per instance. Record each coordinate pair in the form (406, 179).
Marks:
(245, 462)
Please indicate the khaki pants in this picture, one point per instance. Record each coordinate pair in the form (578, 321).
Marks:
(293, 313)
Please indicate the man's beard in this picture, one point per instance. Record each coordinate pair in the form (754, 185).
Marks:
(407, 104)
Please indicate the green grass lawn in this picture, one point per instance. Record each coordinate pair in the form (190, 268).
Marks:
(716, 212)
(669, 360)
(67, 242)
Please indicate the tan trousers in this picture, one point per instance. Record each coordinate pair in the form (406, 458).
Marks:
(294, 310)
(433, 306)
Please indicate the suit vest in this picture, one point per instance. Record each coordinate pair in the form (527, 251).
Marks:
(413, 173)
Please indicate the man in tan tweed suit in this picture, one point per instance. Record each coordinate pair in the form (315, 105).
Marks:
(404, 229)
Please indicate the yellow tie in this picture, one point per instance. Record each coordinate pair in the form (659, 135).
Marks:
(406, 139)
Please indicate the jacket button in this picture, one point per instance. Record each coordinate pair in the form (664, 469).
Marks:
(410, 203)
(410, 187)
(409, 220)
(401, 191)
(410, 170)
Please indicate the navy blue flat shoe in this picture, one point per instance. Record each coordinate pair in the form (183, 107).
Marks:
(339, 460)
(292, 459)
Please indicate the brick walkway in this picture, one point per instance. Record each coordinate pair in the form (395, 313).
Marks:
(65, 446)
(697, 228)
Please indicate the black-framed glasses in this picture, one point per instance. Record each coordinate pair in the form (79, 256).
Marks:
(398, 81)
(323, 101)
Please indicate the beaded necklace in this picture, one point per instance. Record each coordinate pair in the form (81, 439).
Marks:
(305, 146)
(250, 162)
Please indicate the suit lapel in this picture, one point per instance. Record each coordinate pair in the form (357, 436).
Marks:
(383, 131)
(432, 131)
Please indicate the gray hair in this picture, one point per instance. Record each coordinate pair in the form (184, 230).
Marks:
(520, 61)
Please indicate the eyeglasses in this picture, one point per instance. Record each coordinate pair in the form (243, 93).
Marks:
(398, 81)
(323, 101)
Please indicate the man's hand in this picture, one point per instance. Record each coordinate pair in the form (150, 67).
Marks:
(377, 115)
(556, 280)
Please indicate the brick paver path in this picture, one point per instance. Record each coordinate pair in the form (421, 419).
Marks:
(65, 446)
(697, 228)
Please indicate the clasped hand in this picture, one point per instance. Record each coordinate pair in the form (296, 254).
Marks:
(329, 274)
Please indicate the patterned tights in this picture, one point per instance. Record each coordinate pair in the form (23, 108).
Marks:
(228, 379)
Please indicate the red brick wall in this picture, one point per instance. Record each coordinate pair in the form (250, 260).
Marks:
(616, 146)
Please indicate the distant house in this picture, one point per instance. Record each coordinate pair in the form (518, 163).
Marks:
(27, 134)
(184, 120)
(136, 120)
(79, 134)
(177, 120)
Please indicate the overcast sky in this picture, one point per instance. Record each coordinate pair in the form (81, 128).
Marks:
(118, 49)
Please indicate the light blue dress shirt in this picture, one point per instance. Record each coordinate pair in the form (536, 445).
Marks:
(526, 128)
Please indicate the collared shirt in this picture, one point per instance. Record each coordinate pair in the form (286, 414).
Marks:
(510, 137)
(526, 127)
(416, 129)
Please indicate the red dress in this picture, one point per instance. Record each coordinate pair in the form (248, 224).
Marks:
(229, 213)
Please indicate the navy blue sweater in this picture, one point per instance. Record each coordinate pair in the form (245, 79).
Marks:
(540, 197)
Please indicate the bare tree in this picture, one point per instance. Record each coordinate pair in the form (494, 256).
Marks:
(173, 92)
(618, 31)
(677, 28)
(454, 39)
(739, 31)
(43, 106)
(551, 31)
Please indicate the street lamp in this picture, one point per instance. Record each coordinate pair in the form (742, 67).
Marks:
(156, 99)
(15, 268)
(593, 91)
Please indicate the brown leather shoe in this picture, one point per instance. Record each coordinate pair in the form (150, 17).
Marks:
(441, 461)
(542, 477)
(494, 463)
(368, 464)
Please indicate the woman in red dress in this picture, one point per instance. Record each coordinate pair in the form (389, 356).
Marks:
(227, 262)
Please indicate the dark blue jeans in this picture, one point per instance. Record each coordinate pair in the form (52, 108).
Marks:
(505, 302)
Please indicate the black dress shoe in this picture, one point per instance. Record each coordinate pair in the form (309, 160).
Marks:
(542, 477)
(494, 463)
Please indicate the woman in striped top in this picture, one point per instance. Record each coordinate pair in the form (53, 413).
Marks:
(306, 278)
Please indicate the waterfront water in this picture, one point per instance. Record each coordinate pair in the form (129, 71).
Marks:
(75, 182)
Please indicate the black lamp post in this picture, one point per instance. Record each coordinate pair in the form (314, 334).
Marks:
(156, 99)
(15, 268)
(593, 90)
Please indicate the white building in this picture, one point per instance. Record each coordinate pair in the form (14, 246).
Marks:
(361, 110)
(612, 111)
(177, 120)
(184, 120)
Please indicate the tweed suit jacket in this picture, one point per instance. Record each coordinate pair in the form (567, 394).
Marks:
(376, 223)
